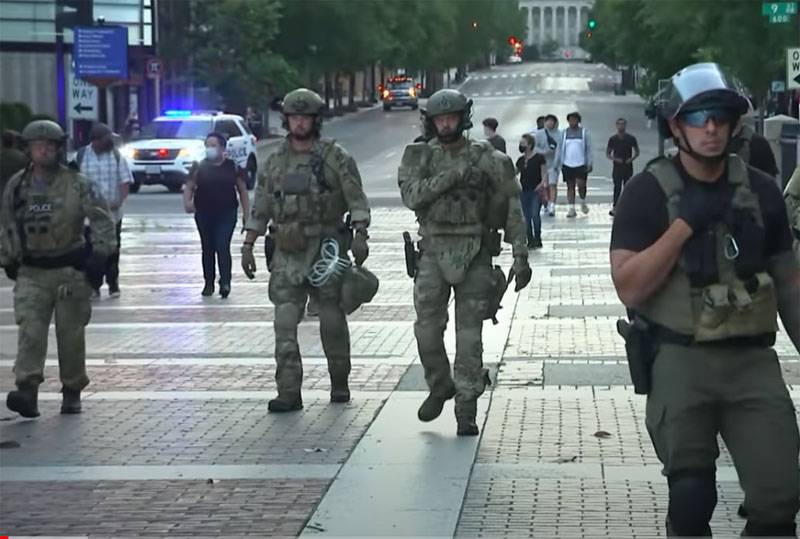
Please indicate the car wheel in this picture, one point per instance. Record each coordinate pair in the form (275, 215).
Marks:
(414, 106)
(175, 187)
(387, 107)
(252, 172)
(134, 187)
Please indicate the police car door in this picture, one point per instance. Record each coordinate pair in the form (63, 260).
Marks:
(237, 149)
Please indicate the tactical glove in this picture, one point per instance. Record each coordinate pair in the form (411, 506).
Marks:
(359, 247)
(522, 273)
(96, 263)
(11, 271)
(701, 205)
(248, 261)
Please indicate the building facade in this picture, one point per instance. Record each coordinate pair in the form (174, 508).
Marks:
(31, 73)
(561, 21)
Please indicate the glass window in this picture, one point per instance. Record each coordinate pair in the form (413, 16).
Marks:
(228, 128)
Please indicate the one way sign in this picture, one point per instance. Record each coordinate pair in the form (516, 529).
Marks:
(793, 68)
(81, 99)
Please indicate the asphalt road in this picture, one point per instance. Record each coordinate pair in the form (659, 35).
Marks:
(515, 95)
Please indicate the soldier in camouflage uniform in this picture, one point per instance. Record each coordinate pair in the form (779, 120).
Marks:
(792, 197)
(302, 196)
(462, 192)
(43, 248)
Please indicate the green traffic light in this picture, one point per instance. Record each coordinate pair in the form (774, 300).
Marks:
(592, 24)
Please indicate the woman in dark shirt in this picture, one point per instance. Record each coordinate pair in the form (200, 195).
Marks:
(531, 168)
(211, 194)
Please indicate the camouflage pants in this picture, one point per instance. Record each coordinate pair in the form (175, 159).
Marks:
(431, 297)
(37, 293)
(290, 300)
(739, 393)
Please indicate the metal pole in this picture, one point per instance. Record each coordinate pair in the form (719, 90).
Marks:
(60, 74)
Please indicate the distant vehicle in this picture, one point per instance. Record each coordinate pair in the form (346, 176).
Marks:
(164, 152)
(514, 59)
(400, 90)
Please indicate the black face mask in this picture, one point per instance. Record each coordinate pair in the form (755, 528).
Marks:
(522, 149)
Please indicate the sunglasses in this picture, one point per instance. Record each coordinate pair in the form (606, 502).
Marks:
(699, 118)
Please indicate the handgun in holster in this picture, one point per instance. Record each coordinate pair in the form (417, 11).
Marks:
(411, 255)
(269, 250)
(641, 349)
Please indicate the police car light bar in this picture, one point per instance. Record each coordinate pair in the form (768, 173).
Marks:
(177, 113)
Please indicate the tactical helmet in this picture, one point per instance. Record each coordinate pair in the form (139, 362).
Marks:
(449, 101)
(43, 130)
(359, 286)
(699, 86)
(302, 101)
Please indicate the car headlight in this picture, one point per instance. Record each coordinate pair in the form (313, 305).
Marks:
(127, 152)
(191, 153)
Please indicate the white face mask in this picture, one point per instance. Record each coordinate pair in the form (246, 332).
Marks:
(212, 153)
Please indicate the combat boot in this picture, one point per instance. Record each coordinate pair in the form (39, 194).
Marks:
(70, 401)
(24, 401)
(431, 407)
(340, 392)
(466, 412)
(283, 403)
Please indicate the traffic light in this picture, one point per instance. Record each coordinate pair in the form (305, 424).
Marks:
(591, 24)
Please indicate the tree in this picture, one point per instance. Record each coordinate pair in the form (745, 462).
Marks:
(232, 42)
(549, 48)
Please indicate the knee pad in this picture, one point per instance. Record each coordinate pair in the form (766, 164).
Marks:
(692, 499)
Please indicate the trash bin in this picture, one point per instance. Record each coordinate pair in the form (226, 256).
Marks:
(790, 134)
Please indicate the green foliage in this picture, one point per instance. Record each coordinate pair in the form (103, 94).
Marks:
(14, 116)
(549, 48)
(664, 36)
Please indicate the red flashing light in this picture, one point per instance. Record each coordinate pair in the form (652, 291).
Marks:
(512, 40)
(163, 152)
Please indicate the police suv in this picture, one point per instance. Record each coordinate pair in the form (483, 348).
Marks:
(400, 90)
(166, 149)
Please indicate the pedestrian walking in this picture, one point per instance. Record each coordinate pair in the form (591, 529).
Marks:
(622, 149)
(575, 158)
(307, 186)
(12, 159)
(215, 189)
(490, 132)
(540, 123)
(754, 150)
(547, 143)
(254, 123)
(701, 255)
(462, 192)
(103, 164)
(43, 248)
(532, 170)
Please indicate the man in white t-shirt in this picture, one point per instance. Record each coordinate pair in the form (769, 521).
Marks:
(575, 158)
(102, 163)
(548, 139)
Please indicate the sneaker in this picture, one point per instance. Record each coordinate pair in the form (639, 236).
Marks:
(113, 291)
(584, 207)
(551, 209)
(571, 213)
(208, 290)
(611, 213)
(537, 243)
(224, 291)
(95, 295)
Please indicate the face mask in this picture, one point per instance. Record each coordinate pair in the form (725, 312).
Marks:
(522, 149)
(212, 153)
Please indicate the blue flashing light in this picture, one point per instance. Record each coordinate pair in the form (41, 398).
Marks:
(177, 113)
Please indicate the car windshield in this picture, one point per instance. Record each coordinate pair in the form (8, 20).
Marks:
(177, 129)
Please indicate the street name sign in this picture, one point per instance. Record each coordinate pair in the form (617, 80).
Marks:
(793, 68)
(101, 52)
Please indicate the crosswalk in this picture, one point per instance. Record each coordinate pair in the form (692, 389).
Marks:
(539, 74)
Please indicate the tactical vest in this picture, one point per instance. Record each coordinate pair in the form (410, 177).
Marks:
(733, 306)
(46, 221)
(464, 209)
(312, 199)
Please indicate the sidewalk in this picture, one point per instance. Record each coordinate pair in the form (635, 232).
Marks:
(175, 438)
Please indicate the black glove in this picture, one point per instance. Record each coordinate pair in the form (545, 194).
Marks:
(11, 271)
(248, 261)
(522, 273)
(701, 205)
(96, 263)
(359, 247)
